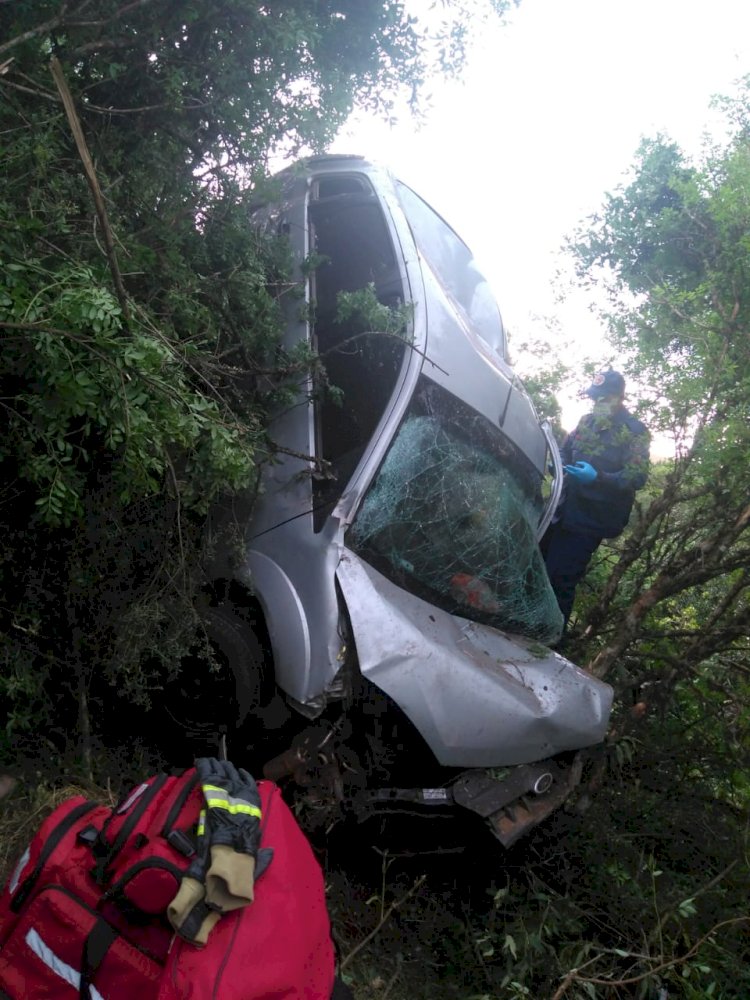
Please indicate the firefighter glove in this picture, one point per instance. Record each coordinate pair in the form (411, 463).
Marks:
(581, 471)
(233, 817)
(189, 913)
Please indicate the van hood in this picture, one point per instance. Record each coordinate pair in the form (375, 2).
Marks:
(478, 696)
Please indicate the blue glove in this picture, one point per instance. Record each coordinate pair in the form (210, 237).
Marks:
(581, 471)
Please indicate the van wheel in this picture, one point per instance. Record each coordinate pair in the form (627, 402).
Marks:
(240, 658)
(225, 689)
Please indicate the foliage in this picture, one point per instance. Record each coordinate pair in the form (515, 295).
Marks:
(641, 896)
(665, 609)
(139, 310)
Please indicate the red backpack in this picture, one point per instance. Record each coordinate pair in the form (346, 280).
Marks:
(84, 912)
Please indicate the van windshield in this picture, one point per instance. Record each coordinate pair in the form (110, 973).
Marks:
(452, 517)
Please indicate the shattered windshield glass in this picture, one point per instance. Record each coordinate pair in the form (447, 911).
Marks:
(452, 516)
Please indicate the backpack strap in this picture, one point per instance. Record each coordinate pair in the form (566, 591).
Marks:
(54, 838)
(180, 839)
(97, 944)
(104, 852)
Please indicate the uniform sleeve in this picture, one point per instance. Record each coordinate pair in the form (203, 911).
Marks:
(634, 474)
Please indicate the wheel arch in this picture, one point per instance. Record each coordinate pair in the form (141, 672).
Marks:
(277, 600)
(245, 603)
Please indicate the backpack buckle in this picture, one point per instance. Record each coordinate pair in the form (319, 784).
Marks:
(88, 835)
(181, 843)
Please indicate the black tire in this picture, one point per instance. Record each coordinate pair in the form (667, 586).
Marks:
(230, 693)
(235, 642)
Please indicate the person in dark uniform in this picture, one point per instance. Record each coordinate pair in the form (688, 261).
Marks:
(605, 459)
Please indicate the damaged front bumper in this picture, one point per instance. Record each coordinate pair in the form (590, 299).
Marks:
(511, 800)
(510, 713)
(511, 804)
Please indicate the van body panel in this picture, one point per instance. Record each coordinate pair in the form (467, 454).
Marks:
(479, 697)
(293, 575)
(456, 360)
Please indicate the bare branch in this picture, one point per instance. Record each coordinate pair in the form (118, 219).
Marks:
(63, 21)
(698, 564)
(383, 920)
(41, 328)
(574, 977)
(36, 92)
(88, 166)
(102, 22)
(102, 45)
(41, 29)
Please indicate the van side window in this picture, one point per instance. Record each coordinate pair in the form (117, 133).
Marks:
(350, 235)
(455, 268)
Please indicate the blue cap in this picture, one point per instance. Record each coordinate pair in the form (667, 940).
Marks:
(609, 383)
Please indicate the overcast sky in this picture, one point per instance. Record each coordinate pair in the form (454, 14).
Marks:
(547, 118)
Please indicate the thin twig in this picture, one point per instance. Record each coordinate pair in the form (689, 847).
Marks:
(383, 920)
(178, 512)
(563, 987)
(699, 892)
(392, 981)
(573, 976)
(5, 325)
(88, 166)
(46, 94)
(103, 22)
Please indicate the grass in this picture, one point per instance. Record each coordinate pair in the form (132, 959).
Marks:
(492, 925)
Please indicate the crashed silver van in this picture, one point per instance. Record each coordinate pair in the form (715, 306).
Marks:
(394, 542)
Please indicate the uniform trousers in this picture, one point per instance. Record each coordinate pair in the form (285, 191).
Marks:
(566, 556)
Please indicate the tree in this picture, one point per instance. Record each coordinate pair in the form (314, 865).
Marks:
(642, 891)
(667, 611)
(671, 248)
(136, 304)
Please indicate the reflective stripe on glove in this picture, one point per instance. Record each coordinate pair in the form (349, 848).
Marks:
(581, 471)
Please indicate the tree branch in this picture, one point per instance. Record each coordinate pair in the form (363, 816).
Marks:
(40, 29)
(102, 22)
(88, 166)
(46, 94)
(573, 977)
(698, 564)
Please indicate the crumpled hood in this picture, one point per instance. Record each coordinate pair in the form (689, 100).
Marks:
(479, 697)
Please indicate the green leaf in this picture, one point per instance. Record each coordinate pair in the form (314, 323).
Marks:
(687, 908)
